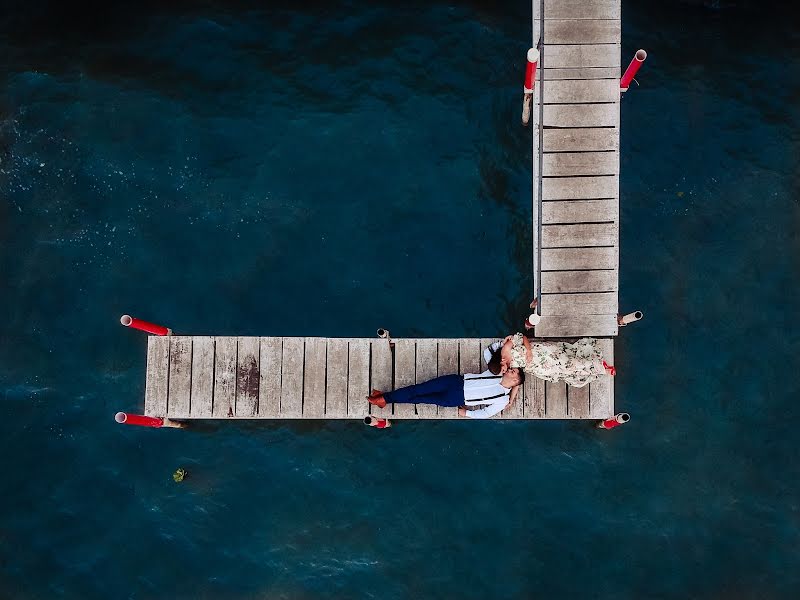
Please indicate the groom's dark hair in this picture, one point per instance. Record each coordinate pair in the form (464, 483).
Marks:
(494, 362)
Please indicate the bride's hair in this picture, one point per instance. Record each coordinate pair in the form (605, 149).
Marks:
(494, 362)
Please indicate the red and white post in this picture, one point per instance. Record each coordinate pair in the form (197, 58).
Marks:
(145, 421)
(377, 422)
(623, 320)
(632, 69)
(530, 82)
(614, 421)
(129, 321)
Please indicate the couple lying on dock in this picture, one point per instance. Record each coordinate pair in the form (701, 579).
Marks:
(508, 362)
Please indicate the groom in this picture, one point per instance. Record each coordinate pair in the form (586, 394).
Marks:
(490, 389)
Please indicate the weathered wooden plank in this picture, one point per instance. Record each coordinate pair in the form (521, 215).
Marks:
(248, 377)
(581, 235)
(292, 377)
(574, 91)
(581, 9)
(580, 188)
(603, 303)
(202, 376)
(157, 378)
(336, 379)
(561, 164)
(601, 392)
(447, 364)
(580, 115)
(566, 259)
(555, 400)
(582, 31)
(577, 326)
(314, 378)
(582, 73)
(469, 356)
(584, 139)
(358, 386)
(404, 374)
(224, 377)
(426, 365)
(180, 376)
(534, 402)
(578, 402)
(581, 55)
(579, 211)
(560, 282)
(381, 373)
(270, 368)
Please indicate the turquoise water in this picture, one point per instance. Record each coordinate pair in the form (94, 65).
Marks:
(342, 167)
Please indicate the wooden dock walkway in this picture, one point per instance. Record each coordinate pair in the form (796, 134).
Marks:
(576, 167)
(200, 377)
(575, 136)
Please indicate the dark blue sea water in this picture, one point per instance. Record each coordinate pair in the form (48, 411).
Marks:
(337, 167)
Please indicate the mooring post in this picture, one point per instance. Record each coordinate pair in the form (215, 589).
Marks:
(615, 421)
(632, 69)
(530, 81)
(129, 321)
(384, 334)
(376, 422)
(623, 320)
(145, 421)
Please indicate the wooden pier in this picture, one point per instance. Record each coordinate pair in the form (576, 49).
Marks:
(199, 377)
(575, 137)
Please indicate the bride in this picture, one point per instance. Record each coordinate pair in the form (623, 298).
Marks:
(575, 363)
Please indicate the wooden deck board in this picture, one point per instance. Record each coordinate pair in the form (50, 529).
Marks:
(556, 400)
(269, 385)
(560, 326)
(336, 377)
(582, 9)
(447, 364)
(561, 282)
(405, 373)
(247, 377)
(582, 73)
(578, 211)
(574, 56)
(381, 373)
(581, 31)
(565, 259)
(562, 164)
(157, 376)
(314, 378)
(224, 378)
(581, 115)
(180, 376)
(292, 377)
(580, 188)
(202, 398)
(578, 402)
(576, 91)
(601, 400)
(583, 139)
(592, 303)
(358, 387)
(425, 370)
(579, 236)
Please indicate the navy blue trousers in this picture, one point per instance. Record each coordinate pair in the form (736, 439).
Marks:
(447, 390)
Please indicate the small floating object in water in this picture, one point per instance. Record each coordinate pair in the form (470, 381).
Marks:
(179, 475)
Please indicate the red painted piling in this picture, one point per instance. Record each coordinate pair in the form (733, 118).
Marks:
(141, 420)
(129, 321)
(530, 70)
(632, 69)
(614, 421)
